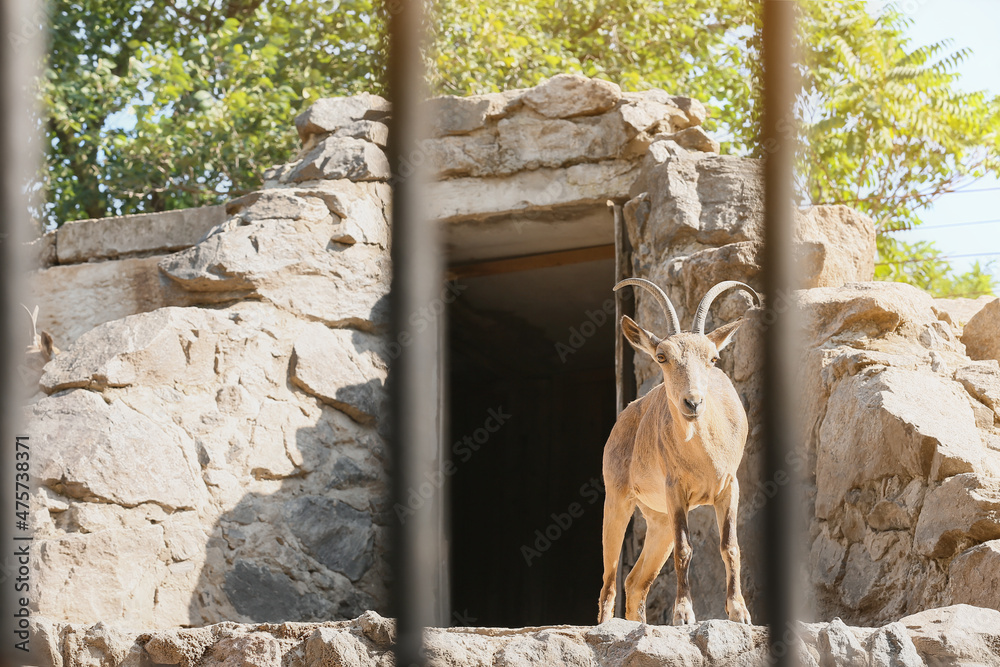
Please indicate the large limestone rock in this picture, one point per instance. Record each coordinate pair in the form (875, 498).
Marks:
(343, 368)
(75, 298)
(529, 143)
(121, 589)
(708, 207)
(568, 95)
(565, 121)
(142, 349)
(200, 401)
(295, 263)
(342, 157)
(106, 269)
(956, 635)
(560, 143)
(959, 310)
(837, 246)
(108, 453)
(904, 472)
(536, 192)
(450, 115)
(897, 421)
(335, 113)
(964, 510)
(982, 333)
(972, 577)
(982, 380)
(951, 635)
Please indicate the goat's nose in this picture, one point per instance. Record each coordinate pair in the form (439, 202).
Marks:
(693, 404)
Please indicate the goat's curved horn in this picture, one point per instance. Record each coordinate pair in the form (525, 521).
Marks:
(661, 298)
(34, 321)
(706, 302)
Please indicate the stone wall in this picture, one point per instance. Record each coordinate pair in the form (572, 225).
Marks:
(208, 440)
(900, 445)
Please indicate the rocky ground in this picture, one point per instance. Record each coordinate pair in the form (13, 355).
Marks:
(958, 635)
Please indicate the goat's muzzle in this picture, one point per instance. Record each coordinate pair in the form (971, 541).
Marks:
(692, 407)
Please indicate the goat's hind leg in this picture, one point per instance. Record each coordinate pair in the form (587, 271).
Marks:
(655, 551)
(617, 512)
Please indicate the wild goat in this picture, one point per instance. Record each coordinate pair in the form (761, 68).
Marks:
(40, 351)
(676, 448)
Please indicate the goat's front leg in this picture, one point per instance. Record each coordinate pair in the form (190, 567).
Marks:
(683, 605)
(617, 512)
(725, 513)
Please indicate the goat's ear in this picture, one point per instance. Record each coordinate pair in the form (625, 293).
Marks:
(722, 336)
(639, 338)
(48, 345)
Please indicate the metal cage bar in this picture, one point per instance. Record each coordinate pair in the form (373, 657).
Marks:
(22, 40)
(779, 147)
(416, 374)
(625, 387)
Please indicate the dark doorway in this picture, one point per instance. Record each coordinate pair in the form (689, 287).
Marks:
(532, 403)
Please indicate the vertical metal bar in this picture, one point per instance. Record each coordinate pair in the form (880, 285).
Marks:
(778, 415)
(415, 382)
(22, 42)
(625, 389)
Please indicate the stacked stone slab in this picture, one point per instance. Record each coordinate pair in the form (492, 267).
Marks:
(959, 635)
(208, 443)
(93, 271)
(900, 448)
(568, 142)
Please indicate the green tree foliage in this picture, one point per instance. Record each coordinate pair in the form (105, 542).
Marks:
(156, 105)
(886, 130)
(691, 47)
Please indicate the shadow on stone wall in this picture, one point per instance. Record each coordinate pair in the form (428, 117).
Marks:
(314, 548)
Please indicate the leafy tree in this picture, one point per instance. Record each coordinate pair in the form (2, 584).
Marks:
(214, 85)
(887, 131)
(689, 47)
(155, 105)
(921, 264)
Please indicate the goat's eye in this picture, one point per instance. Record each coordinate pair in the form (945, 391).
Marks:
(661, 358)
(715, 360)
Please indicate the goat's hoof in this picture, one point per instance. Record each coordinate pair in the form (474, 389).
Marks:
(684, 614)
(739, 613)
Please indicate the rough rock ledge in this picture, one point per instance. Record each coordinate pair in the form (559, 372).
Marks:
(956, 635)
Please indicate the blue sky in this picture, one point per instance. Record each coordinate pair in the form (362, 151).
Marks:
(973, 24)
